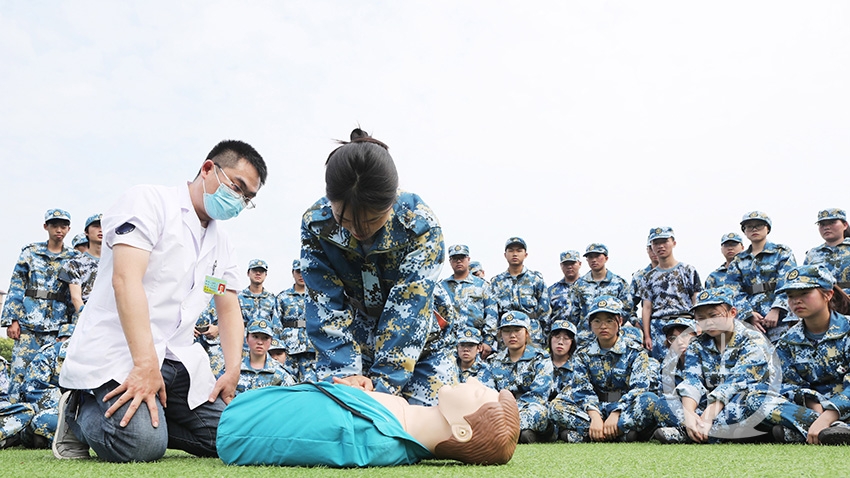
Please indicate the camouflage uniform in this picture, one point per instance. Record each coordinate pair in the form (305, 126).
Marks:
(471, 297)
(621, 378)
(479, 368)
(671, 293)
(300, 353)
(41, 390)
(272, 374)
(709, 375)
(82, 271)
(212, 346)
(262, 306)
(747, 273)
(835, 258)
(369, 311)
(530, 380)
(585, 291)
(560, 299)
(36, 275)
(14, 417)
(527, 293)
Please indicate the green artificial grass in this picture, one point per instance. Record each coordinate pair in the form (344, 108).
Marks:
(547, 460)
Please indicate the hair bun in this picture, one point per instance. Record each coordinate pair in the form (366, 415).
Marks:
(358, 133)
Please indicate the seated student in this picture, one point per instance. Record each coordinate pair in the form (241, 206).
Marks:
(722, 366)
(834, 253)
(14, 417)
(678, 332)
(277, 351)
(526, 371)
(562, 346)
(611, 395)
(815, 356)
(258, 368)
(338, 425)
(469, 362)
(41, 390)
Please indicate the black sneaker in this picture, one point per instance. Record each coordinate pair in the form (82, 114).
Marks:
(837, 434)
(527, 436)
(11, 441)
(670, 435)
(787, 435)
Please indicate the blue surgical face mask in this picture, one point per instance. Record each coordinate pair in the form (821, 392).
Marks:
(224, 203)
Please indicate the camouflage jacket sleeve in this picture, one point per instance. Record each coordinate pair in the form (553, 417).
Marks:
(544, 308)
(538, 390)
(786, 263)
(693, 381)
(13, 308)
(41, 382)
(581, 391)
(641, 376)
(840, 402)
(791, 380)
(749, 370)
(491, 328)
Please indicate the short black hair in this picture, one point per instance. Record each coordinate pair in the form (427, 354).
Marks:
(228, 152)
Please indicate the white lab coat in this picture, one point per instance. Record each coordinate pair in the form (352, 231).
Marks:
(162, 221)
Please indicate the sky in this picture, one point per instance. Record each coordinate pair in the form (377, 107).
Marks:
(564, 123)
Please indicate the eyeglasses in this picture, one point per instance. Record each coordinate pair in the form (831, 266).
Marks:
(236, 190)
(754, 227)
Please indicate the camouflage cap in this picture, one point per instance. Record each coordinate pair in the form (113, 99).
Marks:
(515, 240)
(715, 296)
(276, 345)
(757, 216)
(79, 239)
(570, 256)
(685, 320)
(662, 232)
(606, 303)
(296, 265)
(93, 218)
(830, 214)
(65, 330)
(259, 327)
(731, 236)
(515, 318)
(474, 267)
(258, 264)
(53, 214)
(458, 250)
(596, 247)
(563, 324)
(811, 276)
(469, 335)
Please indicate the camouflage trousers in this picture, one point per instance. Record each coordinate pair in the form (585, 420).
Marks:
(533, 416)
(216, 359)
(24, 351)
(778, 410)
(42, 424)
(659, 339)
(645, 410)
(302, 366)
(14, 417)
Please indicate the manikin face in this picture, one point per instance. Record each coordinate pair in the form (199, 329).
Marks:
(464, 399)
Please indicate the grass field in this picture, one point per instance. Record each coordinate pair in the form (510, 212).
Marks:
(548, 460)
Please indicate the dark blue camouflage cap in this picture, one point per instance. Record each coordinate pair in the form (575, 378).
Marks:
(563, 324)
(259, 327)
(276, 345)
(606, 303)
(715, 296)
(469, 335)
(53, 214)
(570, 256)
(757, 216)
(258, 264)
(91, 219)
(458, 250)
(515, 240)
(830, 214)
(596, 247)
(662, 232)
(682, 321)
(515, 318)
(79, 239)
(811, 276)
(731, 236)
(474, 267)
(296, 265)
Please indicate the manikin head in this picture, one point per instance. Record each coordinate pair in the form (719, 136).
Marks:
(484, 424)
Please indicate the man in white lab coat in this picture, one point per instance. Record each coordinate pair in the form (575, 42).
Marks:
(137, 382)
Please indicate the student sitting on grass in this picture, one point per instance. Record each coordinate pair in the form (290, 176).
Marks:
(815, 356)
(469, 363)
(611, 394)
(562, 346)
(259, 369)
(338, 425)
(526, 371)
(722, 366)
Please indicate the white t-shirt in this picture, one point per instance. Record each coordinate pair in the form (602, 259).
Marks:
(160, 220)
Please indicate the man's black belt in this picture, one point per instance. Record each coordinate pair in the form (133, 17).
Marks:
(609, 397)
(760, 288)
(298, 324)
(43, 294)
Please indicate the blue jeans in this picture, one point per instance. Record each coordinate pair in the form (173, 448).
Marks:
(193, 431)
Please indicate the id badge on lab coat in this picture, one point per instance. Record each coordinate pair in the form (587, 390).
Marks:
(214, 285)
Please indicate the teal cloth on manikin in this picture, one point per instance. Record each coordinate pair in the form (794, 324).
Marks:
(302, 426)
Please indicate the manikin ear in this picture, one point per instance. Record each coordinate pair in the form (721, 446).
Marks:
(462, 433)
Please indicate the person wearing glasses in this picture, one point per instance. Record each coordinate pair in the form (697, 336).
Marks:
(754, 272)
(137, 381)
(834, 253)
(371, 256)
